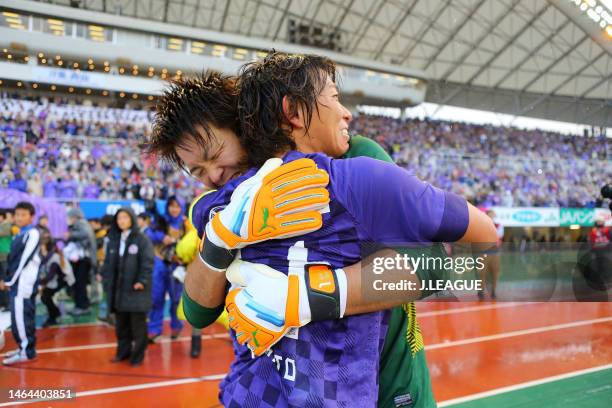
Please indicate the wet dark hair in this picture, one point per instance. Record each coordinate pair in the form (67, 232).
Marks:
(204, 100)
(24, 205)
(262, 85)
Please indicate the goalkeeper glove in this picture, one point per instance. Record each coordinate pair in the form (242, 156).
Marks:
(279, 201)
(263, 303)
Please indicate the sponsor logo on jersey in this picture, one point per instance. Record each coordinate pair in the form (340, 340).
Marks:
(404, 400)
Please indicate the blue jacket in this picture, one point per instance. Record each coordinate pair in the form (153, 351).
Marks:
(23, 248)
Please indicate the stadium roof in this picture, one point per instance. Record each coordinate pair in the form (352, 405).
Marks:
(537, 58)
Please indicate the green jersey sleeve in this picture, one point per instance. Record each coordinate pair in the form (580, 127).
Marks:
(197, 315)
(361, 146)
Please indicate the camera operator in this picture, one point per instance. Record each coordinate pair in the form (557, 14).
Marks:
(600, 234)
(600, 240)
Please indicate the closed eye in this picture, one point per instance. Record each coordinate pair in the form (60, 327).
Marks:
(196, 172)
(201, 173)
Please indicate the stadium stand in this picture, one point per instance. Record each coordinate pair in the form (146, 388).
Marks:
(490, 165)
(66, 151)
(493, 165)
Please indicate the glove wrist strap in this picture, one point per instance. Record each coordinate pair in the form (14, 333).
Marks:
(216, 257)
(326, 289)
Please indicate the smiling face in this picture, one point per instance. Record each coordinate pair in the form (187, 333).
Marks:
(215, 155)
(328, 131)
(221, 160)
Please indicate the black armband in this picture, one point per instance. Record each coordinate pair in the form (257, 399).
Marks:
(215, 256)
(323, 292)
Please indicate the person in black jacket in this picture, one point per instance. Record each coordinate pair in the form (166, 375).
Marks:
(127, 271)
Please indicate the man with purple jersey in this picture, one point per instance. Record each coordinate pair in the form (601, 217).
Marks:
(333, 361)
(337, 360)
(220, 174)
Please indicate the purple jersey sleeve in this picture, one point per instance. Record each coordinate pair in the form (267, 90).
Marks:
(391, 205)
(204, 207)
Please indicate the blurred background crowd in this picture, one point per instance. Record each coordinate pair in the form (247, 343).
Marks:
(497, 166)
(64, 151)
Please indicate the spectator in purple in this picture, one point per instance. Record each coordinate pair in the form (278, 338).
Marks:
(49, 187)
(490, 165)
(67, 188)
(18, 183)
(92, 190)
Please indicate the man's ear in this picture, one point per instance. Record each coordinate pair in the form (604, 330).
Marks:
(293, 115)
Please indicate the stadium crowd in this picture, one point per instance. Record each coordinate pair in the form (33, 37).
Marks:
(492, 165)
(59, 150)
(62, 151)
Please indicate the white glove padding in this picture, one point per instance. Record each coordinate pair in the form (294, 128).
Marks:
(263, 303)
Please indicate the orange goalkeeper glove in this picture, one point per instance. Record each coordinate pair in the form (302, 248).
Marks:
(279, 201)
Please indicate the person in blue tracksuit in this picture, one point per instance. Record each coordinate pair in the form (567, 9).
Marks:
(22, 281)
(165, 234)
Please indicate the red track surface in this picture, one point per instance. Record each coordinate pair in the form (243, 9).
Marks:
(552, 339)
